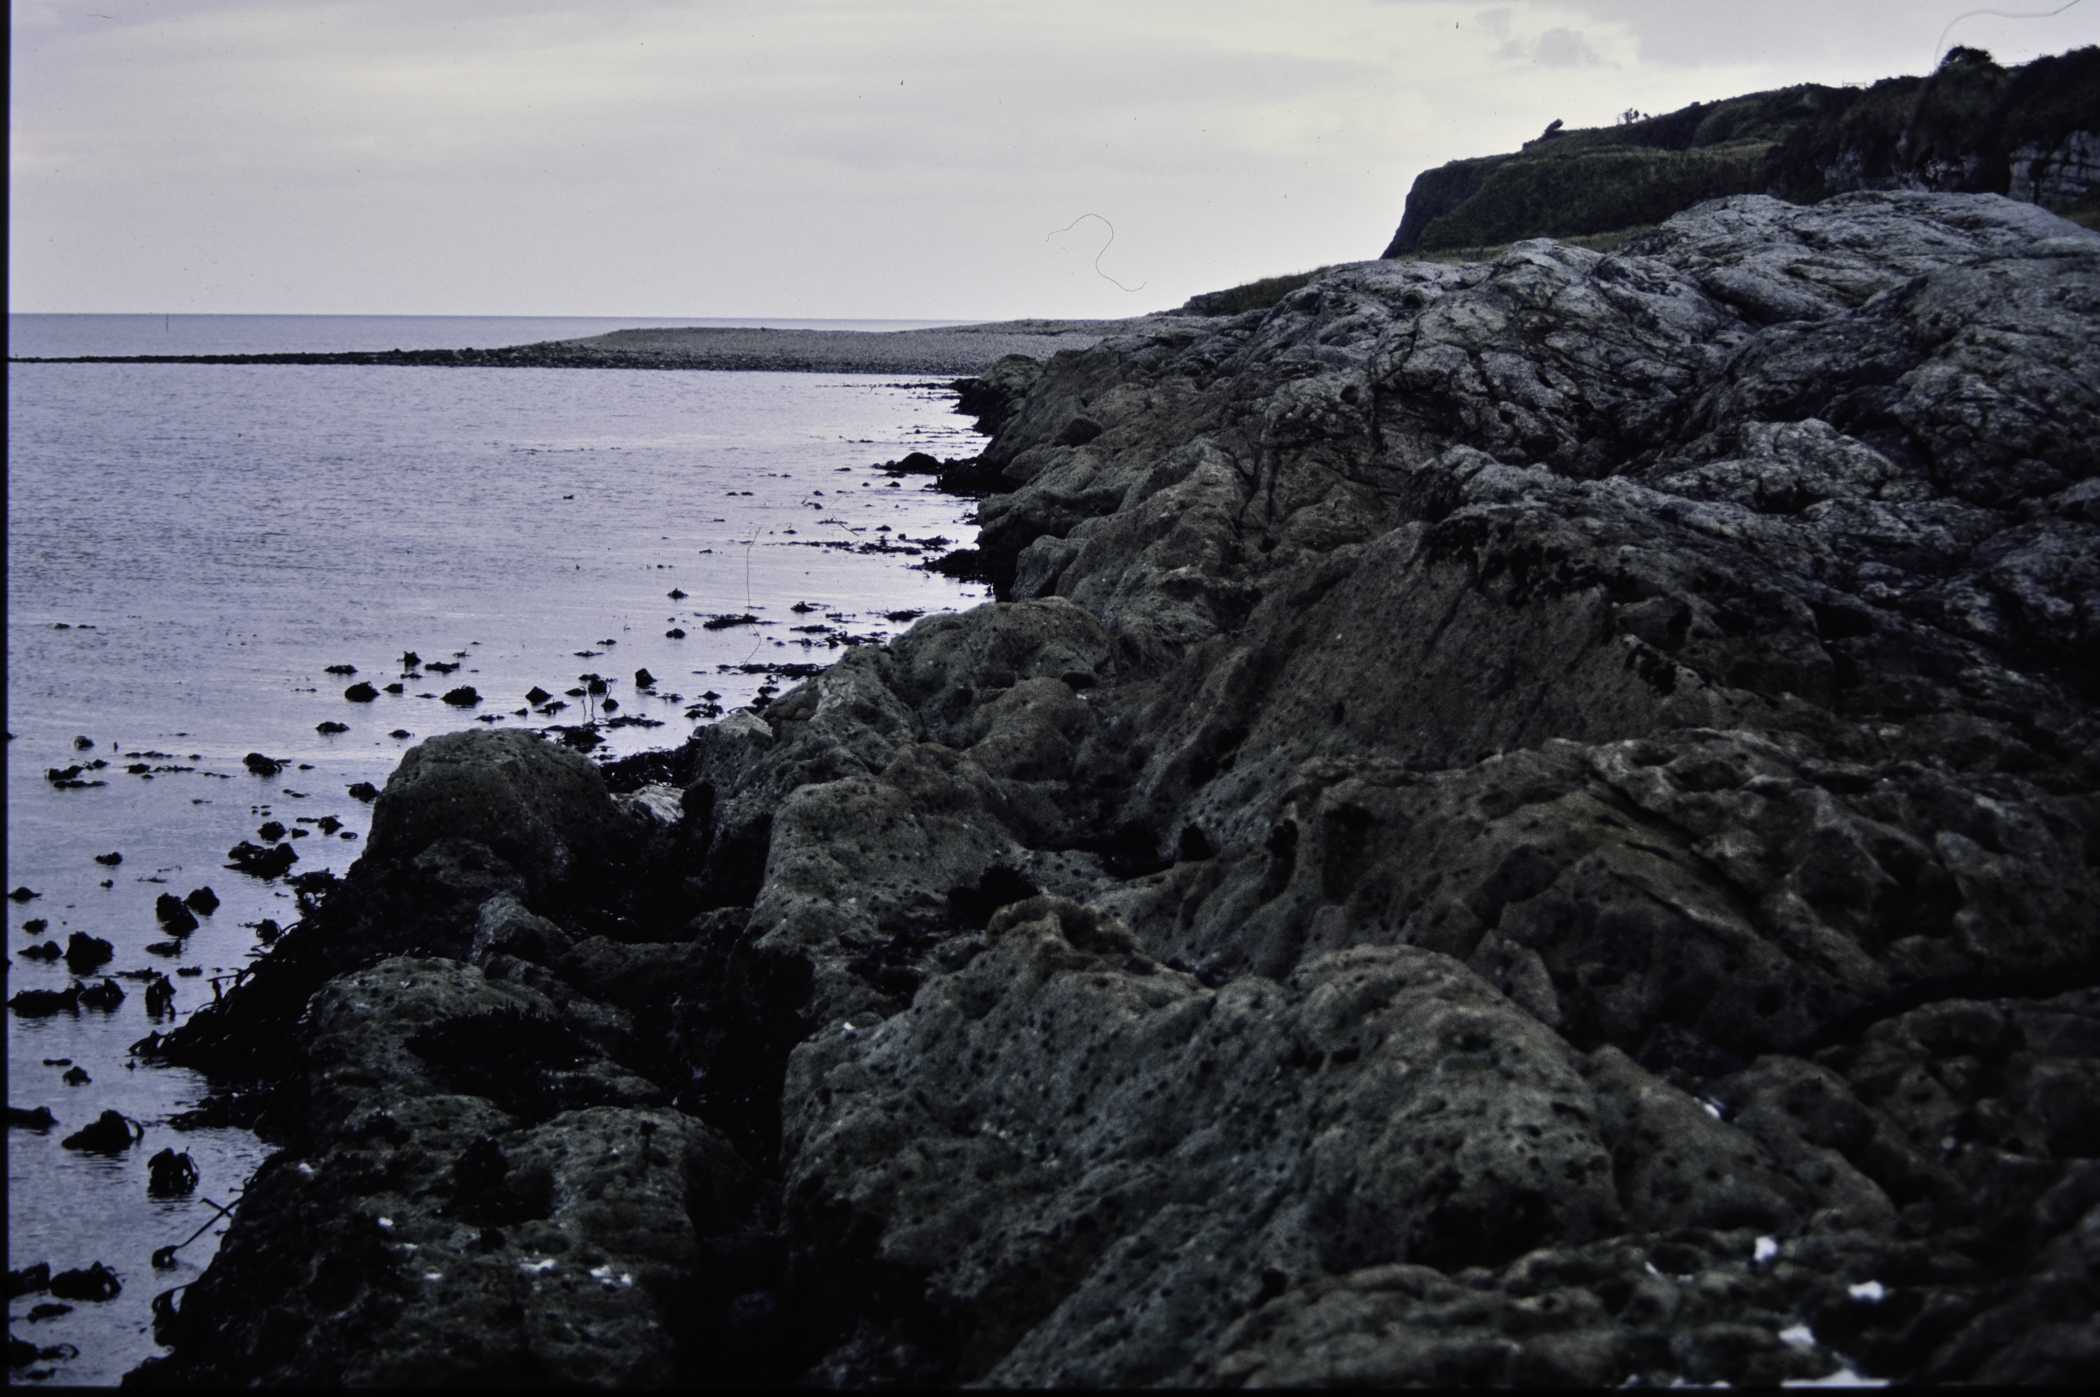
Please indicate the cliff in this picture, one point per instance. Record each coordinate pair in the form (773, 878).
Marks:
(1532, 822)
(1971, 127)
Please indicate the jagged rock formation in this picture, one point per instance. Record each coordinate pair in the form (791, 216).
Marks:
(1528, 822)
(1971, 127)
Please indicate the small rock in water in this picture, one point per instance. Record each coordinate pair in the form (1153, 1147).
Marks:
(365, 791)
(262, 765)
(173, 915)
(202, 900)
(189, 972)
(331, 729)
(163, 948)
(160, 996)
(267, 930)
(76, 1077)
(85, 952)
(22, 895)
(110, 859)
(112, 1133)
(36, 1004)
(643, 679)
(400, 733)
(107, 995)
(35, 925)
(410, 659)
(328, 824)
(462, 697)
(675, 595)
(260, 862)
(397, 688)
(34, 1118)
(610, 705)
(169, 1172)
(48, 951)
(48, 1310)
(271, 830)
(82, 744)
(360, 692)
(340, 669)
(97, 1282)
(674, 634)
(536, 694)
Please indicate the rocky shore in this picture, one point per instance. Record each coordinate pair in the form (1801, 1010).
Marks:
(1532, 822)
(950, 349)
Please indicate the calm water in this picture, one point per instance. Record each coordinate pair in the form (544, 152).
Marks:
(191, 547)
(58, 336)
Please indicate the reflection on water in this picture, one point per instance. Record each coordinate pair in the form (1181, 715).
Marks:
(191, 548)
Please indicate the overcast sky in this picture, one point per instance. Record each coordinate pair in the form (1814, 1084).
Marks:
(819, 158)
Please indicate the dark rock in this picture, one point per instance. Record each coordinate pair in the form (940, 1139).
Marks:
(82, 744)
(30, 1279)
(361, 692)
(270, 831)
(48, 1311)
(96, 1282)
(164, 948)
(160, 996)
(462, 697)
(340, 669)
(202, 900)
(537, 695)
(34, 1118)
(262, 765)
(109, 860)
(643, 679)
(111, 1133)
(174, 914)
(76, 1076)
(22, 894)
(675, 595)
(47, 951)
(84, 952)
(35, 926)
(723, 623)
(105, 996)
(330, 729)
(170, 1173)
(364, 791)
(675, 633)
(31, 1004)
(397, 688)
(260, 862)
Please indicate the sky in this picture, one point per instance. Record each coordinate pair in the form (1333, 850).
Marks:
(973, 159)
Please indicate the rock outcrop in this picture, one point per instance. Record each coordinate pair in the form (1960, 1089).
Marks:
(1971, 127)
(1532, 822)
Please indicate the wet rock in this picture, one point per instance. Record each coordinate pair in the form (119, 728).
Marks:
(82, 744)
(47, 951)
(174, 914)
(105, 996)
(340, 669)
(462, 697)
(84, 952)
(96, 1282)
(364, 791)
(22, 894)
(270, 831)
(32, 1118)
(330, 729)
(361, 692)
(202, 901)
(111, 1133)
(537, 695)
(35, 926)
(169, 1173)
(261, 862)
(109, 860)
(262, 765)
(643, 679)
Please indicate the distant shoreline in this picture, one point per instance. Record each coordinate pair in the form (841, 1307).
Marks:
(958, 349)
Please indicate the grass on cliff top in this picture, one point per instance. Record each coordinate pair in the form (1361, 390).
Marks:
(1595, 242)
(1251, 295)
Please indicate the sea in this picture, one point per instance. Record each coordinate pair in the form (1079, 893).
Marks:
(203, 559)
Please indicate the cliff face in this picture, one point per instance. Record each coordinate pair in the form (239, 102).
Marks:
(1528, 822)
(1972, 127)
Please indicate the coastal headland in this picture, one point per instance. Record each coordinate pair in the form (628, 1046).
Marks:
(954, 349)
(1530, 822)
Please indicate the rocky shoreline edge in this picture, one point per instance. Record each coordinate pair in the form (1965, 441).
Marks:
(1523, 823)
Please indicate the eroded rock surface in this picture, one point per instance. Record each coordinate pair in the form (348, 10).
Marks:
(1529, 822)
